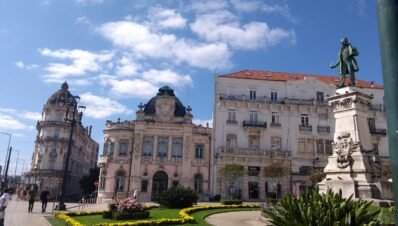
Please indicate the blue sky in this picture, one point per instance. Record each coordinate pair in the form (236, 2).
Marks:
(117, 53)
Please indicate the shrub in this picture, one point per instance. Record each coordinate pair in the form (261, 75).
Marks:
(130, 216)
(126, 209)
(107, 214)
(178, 197)
(231, 202)
(327, 209)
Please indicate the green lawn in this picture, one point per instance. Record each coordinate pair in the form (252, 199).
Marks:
(385, 215)
(156, 213)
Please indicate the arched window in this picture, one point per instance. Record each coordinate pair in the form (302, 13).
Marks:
(123, 144)
(119, 180)
(177, 147)
(102, 180)
(108, 148)
(198, 183)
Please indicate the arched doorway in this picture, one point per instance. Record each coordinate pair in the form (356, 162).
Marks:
(159, 183)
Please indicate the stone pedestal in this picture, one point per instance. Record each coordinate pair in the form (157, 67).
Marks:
(354, 167)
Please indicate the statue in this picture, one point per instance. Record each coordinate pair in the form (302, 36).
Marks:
(347, 62)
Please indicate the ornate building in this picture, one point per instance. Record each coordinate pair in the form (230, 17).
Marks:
(158, 149)
(263, 117)
(51, 145)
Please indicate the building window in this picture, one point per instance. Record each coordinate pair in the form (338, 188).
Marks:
(252, 94)
(231, 116)
(198, 183)
(231, 140)
(41, 149)
(371, 123)
(56, 132)
(163, 144)
(58, 117)
(108, 148)
(144, 185)
(177, 147)
(320, 148)
(148, 146)
(276, 143)
(254, 141)
(53, 152)
(119, 185)
(319, 96)
(102, 181)
(304, 119)
(274, 96)
(310, 145)
(123, 144)
(301, 144)
(253, 116)
(199, 151)
(253, 190)
(51, 164)
(328, 147)
(275, 118)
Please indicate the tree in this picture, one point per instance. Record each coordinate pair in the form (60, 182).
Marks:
(87, 181)
(275, 171)
(317, 176)
(232, 173)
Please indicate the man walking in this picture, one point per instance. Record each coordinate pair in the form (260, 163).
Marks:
(3, 204)
(44, 199)
(32, 196)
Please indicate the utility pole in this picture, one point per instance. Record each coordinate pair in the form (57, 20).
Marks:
(6, 172)
(387, 13)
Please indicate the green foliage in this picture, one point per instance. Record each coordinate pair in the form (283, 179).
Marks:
(231, 202)
(232, 172)
(130, 216)
(276, 170)
(317, 175)
(329, 209)
(107, 215)
(87, 181)
(178, 197)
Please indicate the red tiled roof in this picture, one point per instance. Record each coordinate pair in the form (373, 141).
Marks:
(285, 76)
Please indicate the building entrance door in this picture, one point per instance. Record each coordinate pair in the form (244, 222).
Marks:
(159, 184)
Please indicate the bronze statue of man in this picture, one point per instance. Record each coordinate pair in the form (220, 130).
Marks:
(347, 62)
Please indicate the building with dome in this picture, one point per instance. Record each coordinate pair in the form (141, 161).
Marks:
(51, 145)
(160, 148)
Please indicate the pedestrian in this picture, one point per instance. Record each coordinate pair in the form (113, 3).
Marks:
(135, 194)
(32, 196)
(44, 199)
(3, 205)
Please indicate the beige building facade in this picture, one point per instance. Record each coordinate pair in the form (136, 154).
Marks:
(159, 149)
(51, 145)
(263, 117)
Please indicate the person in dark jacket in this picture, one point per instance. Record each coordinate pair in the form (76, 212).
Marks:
(44, 199)
(32, 196)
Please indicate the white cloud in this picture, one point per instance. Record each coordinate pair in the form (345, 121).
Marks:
(203, 122)
(99, 107)
(21, 64)
(248, 6)
(166, 77)
(83, 20)
(10, 123)
(223, 26)
(208, 5)
(166, 18)
(89, 1)
(142, 42)
(82, 63)
(31, 115)
(129, 88)
(21, 114)
(127, 67)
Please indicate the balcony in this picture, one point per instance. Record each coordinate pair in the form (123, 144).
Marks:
(377, 107)
(308, 102)
(232, 122)
(257, 124)
(265, 99)
(103, 159)
(375, 131)
(254, 152)
(323, 129)
(275, 124)
(305, 128)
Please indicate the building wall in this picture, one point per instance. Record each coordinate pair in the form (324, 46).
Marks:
(140, 169)
(301, 149)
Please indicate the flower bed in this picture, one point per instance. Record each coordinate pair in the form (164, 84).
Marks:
(184, 216)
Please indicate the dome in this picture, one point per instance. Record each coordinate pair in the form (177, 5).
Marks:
(150, 108)
(62, 96)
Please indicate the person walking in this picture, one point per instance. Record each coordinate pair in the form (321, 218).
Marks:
(3, 205)
(32, 196)
(44, 199)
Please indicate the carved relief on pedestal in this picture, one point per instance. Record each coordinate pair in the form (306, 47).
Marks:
(344, 147)
(350, 102)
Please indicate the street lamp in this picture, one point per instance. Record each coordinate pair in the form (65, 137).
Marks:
(72, 121)
(5, 163)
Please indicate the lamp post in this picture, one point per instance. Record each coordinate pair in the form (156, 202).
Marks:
(72, 121)
(16, 164)
(5, 163)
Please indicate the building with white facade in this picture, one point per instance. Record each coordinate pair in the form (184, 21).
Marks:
(263, 117)
(51, 145)
(158, 149)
